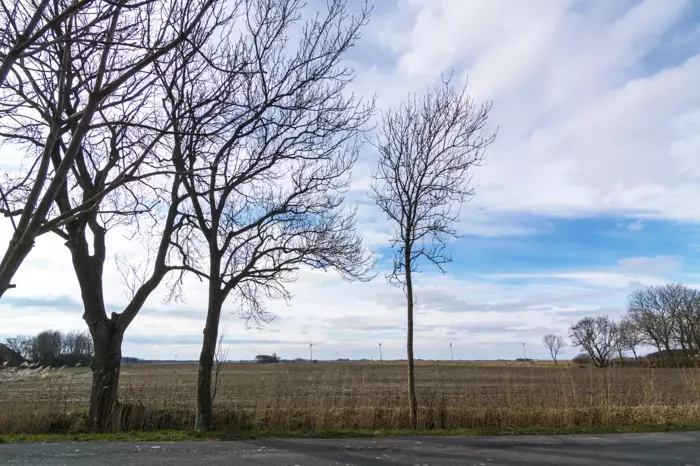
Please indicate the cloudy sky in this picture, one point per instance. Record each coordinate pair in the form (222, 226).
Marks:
(591, 189)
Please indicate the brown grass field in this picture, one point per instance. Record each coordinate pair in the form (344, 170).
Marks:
(353, 395)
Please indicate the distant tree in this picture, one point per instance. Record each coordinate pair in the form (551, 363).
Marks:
(582, 358)
(130, 360)
(266, 359)
(668, 318)
(427, 150)
(595, 335)
(22, 345)
(555, 344)
(627, 338)
(77, 344)
(630, 336)
(47, 346)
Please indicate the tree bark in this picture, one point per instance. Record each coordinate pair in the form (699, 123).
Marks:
(204, 417)
(106, 363)
(107, 332)
(412, 405)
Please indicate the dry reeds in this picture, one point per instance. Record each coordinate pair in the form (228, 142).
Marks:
(358, 396)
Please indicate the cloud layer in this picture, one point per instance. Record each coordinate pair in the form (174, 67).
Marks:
(590, 189)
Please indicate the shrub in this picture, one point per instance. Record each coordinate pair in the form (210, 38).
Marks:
(582, 358)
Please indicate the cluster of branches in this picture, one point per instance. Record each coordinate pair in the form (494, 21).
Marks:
(52, 347)
(75, 99)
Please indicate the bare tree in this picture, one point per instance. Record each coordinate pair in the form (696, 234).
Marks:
(596, 335)
(107, 159)
(266, 161)
(97, 59)
(684, 303)
(78, 344)
(628, 337)
(427, 149)
(555, 344)
(619, 344)
(47, 345)
(22, 345)
(668, 318)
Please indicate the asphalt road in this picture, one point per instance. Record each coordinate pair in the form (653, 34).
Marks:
(629, 449)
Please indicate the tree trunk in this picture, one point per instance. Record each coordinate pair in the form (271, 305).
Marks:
(671, 356)
(106, 362)
(107, 332)
(412, 405)
(204, 417)
(659, 347)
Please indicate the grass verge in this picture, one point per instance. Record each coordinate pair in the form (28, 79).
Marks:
(184, 435)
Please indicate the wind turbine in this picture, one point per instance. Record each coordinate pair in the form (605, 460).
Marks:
(380, 351)
(524, 353)
(311, 351)
(451, 353)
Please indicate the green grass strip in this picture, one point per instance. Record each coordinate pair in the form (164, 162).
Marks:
(185, 435)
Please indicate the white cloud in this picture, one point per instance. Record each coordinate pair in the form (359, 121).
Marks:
(584, 127)
(652, 265)
(637, 225)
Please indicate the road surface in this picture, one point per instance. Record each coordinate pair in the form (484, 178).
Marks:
(629, 449)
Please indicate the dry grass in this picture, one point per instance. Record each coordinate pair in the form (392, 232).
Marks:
(328, 396)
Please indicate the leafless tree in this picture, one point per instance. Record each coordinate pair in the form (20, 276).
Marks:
(47, 345)
(427, 150)
(596, 336)
(619, 343)
(266, 163)
(21, 344)
(107, 159)
(78, 344)
(668, 318)
(555, 344)
(95, 61)
(628, 337)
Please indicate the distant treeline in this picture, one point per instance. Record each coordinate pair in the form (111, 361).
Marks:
(54, 348)
(664, 317)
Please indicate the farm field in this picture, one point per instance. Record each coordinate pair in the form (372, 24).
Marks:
(353, 395)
